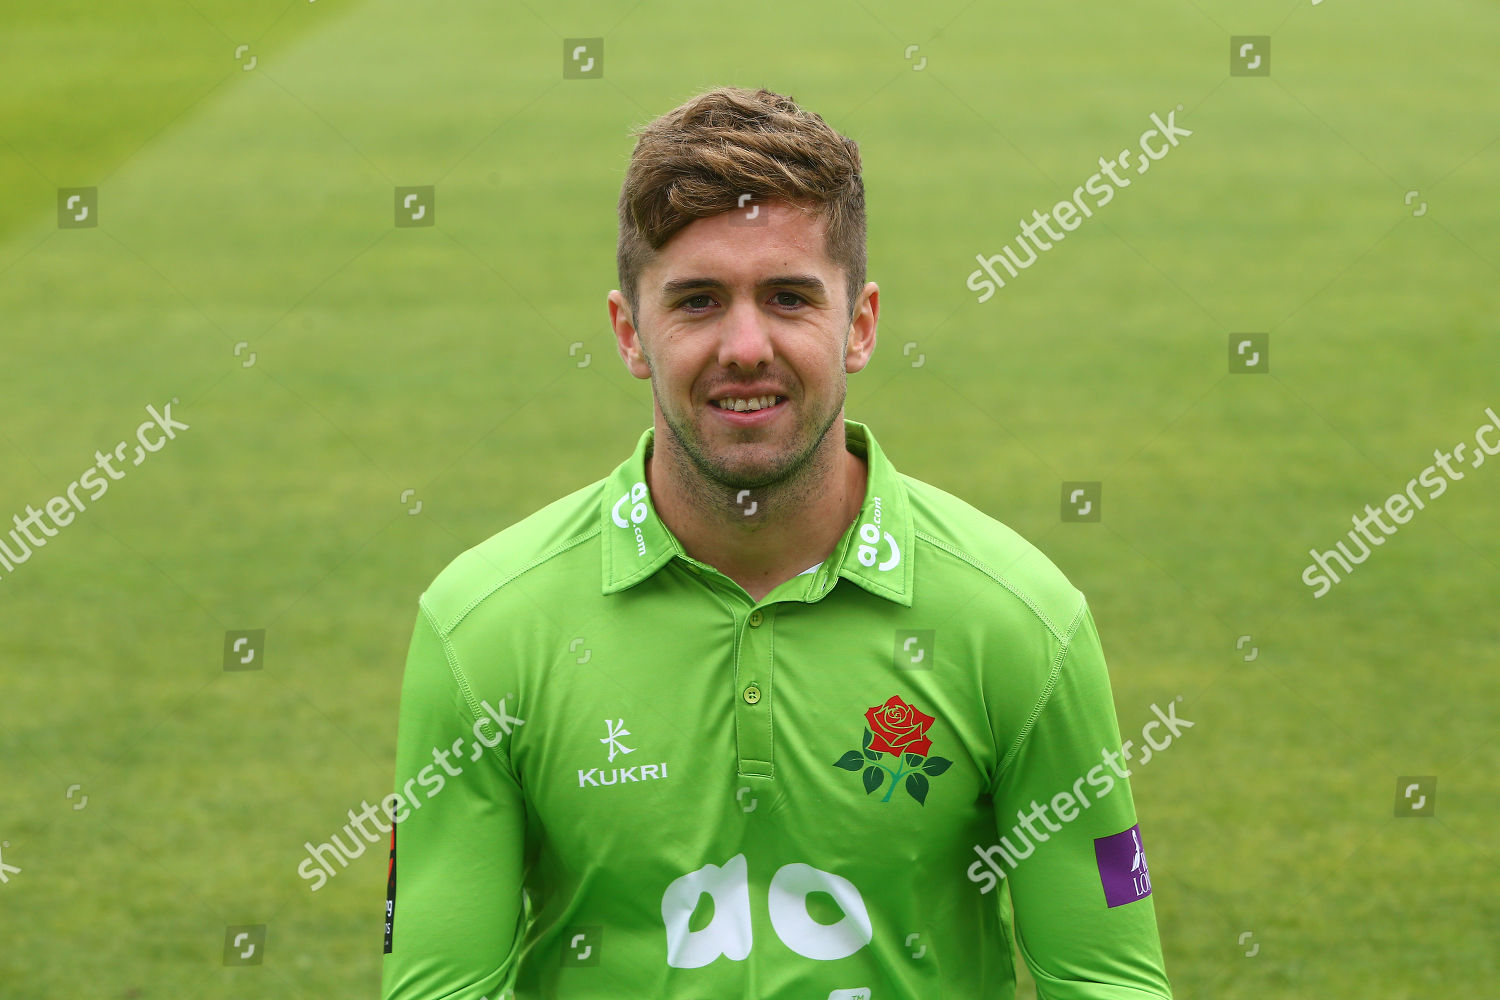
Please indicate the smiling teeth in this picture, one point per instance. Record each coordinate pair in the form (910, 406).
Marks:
(740, 405)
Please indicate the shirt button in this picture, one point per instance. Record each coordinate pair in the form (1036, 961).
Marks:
(752, 695)
(755, 619)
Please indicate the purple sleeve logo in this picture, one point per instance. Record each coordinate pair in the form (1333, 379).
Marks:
(1122, 867)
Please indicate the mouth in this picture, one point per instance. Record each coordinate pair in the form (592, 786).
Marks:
(756, 411)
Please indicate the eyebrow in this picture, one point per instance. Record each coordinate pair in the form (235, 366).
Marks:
(810, 282)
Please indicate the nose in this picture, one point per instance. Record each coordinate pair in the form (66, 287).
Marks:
(745, 337)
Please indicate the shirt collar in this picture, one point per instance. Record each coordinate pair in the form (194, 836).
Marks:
(876, 552)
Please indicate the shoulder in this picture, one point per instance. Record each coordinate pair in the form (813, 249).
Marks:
(976, 552)
(553, 540)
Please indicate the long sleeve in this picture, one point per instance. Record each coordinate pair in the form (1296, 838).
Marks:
(1080, 888)
(455, 910)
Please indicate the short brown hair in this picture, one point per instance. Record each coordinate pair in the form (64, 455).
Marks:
(697, 160)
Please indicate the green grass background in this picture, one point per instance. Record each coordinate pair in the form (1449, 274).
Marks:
(256, 206)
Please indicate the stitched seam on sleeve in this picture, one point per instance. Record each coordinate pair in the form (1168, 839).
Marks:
(993, 575)
(479, 599)
(1046, 695)
(468, 693)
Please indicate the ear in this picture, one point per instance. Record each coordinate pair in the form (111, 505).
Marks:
(627, 337)
(862, 328)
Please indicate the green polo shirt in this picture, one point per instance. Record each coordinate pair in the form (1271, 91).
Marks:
(622, 777)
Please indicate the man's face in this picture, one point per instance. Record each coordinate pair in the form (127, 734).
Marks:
(732, 307)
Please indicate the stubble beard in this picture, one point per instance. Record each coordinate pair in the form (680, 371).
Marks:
(791, 476)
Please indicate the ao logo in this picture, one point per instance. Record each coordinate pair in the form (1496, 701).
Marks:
(728, 933)
(637, 495)
(869, 534)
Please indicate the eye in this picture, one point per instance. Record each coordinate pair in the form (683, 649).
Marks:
(780, 298)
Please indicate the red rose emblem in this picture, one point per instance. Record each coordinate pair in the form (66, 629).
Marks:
(899, 728)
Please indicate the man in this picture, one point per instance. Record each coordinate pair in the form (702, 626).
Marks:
(736, 720)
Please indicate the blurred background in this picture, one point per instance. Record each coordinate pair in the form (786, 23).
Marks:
(198, 207)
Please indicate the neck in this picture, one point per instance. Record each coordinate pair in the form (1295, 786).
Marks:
(763, 536)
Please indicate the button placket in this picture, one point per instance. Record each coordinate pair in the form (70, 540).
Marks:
(753, 691)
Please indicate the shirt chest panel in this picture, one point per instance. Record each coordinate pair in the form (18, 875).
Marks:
(707, 726)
